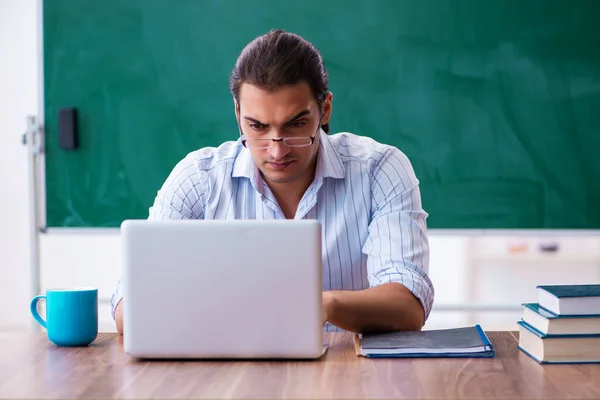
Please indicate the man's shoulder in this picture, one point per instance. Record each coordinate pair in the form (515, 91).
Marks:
(209, 158)
(351, 146)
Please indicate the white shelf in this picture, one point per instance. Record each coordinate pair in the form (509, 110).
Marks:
(541, 258)
(570, 250)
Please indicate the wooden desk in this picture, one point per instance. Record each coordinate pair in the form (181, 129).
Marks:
(32, 367)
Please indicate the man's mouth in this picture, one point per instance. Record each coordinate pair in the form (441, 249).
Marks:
(279, 165)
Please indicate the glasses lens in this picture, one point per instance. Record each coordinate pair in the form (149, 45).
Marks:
(298, 141)
(258, 143)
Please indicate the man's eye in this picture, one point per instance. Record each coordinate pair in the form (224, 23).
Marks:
(297, 124)
(256, 127)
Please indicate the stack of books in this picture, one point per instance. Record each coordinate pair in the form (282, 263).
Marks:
(563, 326)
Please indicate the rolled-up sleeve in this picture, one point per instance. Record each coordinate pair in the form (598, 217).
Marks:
(116, 297)
(397, 247)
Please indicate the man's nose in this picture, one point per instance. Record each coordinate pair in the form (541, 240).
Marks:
(278, 150)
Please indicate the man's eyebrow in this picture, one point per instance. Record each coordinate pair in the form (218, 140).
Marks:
(295, 117)
(300, 114)
(254, 120)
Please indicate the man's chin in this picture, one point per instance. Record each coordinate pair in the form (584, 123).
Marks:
(280, 178)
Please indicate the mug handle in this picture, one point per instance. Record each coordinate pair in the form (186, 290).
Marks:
(34, 311)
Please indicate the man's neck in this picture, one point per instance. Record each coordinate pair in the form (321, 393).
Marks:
(288, 195)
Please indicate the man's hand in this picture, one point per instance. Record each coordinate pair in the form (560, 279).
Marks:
(119, 317)
(384, 308)
(328, 304)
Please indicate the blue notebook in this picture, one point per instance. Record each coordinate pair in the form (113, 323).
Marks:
(471, 342)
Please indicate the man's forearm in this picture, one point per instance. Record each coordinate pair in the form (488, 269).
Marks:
(384, 308)
(119, 317)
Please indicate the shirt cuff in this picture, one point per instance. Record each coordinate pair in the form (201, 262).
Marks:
(116, 297)
(421, 287)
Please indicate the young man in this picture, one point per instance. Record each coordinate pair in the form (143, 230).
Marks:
(285, 165)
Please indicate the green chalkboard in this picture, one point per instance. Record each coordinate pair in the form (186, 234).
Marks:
(496, 102)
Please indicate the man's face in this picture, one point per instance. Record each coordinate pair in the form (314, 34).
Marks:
(290, 111)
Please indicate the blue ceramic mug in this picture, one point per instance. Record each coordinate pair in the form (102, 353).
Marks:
(71, 315)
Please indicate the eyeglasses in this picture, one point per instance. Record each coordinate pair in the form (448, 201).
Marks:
(288, 141)
(293, 141)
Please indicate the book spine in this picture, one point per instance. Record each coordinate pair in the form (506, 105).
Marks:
(484, 338)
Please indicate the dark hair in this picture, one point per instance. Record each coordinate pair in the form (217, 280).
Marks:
(280, 58)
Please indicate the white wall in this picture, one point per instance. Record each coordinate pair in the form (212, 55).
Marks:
(18, 98)
(464, 269)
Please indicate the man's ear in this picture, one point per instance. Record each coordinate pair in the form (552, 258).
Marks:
(236, 109)
(327, 107)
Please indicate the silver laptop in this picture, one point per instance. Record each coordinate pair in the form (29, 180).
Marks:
(222, 289)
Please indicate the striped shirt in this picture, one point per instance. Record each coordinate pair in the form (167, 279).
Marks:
(365, 195)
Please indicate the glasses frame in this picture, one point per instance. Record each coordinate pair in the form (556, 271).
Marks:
(282, 140)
